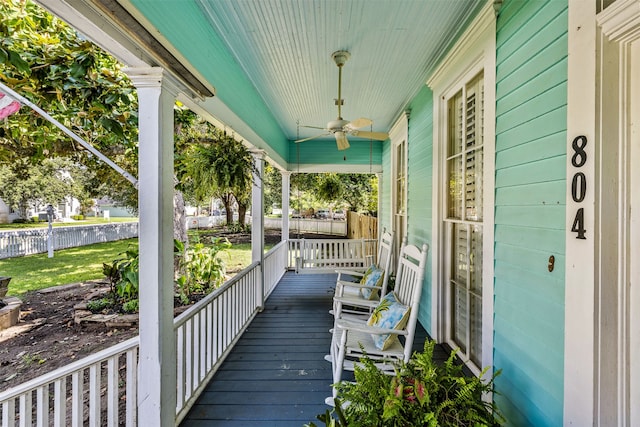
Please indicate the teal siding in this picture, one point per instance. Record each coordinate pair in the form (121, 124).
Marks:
(420, 187)
(531, 98)
(318, 152)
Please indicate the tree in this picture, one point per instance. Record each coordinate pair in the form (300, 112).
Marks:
(76, 82)
(36, 186)
(357, 192)
(272, 188)
(215, 164)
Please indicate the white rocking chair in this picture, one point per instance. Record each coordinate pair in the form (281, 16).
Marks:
(357, 295)
(354, 338)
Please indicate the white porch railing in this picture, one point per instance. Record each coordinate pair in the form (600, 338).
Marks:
(327, 255)
(88, 392)
(27, 242)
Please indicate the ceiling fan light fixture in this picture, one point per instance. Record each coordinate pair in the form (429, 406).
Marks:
(341, 140)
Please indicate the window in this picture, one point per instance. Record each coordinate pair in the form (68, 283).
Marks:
(398, 136)
(463, 220)
(464, 181)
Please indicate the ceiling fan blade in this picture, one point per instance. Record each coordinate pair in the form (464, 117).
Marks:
(378, 136)
(313, 127)
(360, 123)
(341, 140)
(311, 137)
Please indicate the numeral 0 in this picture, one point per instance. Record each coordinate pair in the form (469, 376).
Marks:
(578, 187)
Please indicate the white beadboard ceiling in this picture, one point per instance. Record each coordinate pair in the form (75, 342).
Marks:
(285, 47)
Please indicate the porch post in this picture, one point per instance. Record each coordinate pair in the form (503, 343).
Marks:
(286, 185)
(157, 359)
(380, 194)
(257, 218)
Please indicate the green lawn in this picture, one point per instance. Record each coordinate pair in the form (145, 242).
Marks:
(239, 256)
(73, 265)
(35, 272)
(88, 221)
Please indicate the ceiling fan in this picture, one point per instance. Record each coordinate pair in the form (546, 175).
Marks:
(340, 128)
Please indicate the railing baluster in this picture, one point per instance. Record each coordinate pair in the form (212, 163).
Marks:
(59, 402)
(181, 366)
(8, 412)
(94, 395)
(132, 387)
(42, 406)
(26, 407)
(112, 391)
(77, 386)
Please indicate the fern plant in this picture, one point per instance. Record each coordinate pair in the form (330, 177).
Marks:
(420, 393)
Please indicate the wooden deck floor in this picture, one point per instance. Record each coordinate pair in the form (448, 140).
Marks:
(276, 375)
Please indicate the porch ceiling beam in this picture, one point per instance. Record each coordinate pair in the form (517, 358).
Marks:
(146, 39)
(116, 30)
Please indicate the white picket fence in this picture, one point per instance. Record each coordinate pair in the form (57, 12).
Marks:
(296, 225)
(27, 242)
(88, 392)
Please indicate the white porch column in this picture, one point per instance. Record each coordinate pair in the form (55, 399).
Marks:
(380, 194)
(157, 360)
(286, 186)
(257, 217)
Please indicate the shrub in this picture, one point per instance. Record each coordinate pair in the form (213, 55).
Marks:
(98, 305)
(131, 306)
(201, 268)
(123, 275)
(420, 393)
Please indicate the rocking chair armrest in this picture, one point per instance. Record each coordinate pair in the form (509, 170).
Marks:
(355, 285)
(360, 303)
(350, 273)
(351, 325)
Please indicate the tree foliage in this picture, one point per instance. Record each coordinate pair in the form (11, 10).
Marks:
(78, 84)
(214, 164)
(356, 192)
(36, 186)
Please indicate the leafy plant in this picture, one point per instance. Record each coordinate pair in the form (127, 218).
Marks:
(98, 305)
(132, 306)
(202, 269)
(123, 274)
(420, 393)
(237, 227)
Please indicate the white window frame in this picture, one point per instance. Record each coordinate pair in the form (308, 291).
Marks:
(473, 53)
(399, 134)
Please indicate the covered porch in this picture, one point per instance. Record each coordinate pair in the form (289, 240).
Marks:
(276, 374)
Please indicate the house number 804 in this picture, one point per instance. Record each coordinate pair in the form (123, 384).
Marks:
(579, 183)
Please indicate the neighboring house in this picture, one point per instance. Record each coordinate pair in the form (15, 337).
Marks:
(63, 210)
(515, 162)
(6, 214)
